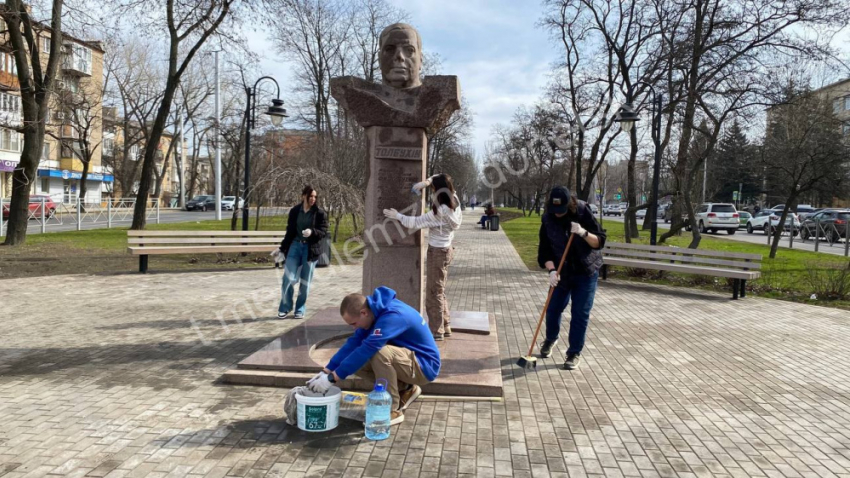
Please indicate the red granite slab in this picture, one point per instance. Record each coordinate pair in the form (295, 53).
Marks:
(470, 362)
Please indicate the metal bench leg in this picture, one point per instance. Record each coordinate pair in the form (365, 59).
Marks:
(735, 288)
(604, 272)
(143, 264)
(743, 288)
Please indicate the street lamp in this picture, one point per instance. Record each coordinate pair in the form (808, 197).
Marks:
(627, 117)
(277, 112)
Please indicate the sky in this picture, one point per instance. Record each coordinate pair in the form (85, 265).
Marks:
(500, 56)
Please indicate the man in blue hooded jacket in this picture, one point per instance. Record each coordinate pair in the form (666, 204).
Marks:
(391, 341)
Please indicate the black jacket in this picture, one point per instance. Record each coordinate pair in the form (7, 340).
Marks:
(554, 231)
(319, 228)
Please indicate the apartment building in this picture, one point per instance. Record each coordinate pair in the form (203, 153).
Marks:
(79, 81)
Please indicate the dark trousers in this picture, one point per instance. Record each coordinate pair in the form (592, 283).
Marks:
(582, 290)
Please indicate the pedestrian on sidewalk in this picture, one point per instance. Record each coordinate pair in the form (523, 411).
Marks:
(442, 220)
(306, 226)
(565, 215)
(391, 341)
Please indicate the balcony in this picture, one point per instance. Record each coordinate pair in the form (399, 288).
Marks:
(76, 66)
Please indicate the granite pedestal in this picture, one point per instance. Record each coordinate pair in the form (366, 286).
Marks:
(470, 357)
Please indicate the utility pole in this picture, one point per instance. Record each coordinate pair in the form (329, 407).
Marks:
(217, 166)
(704, 178)
(182, 167)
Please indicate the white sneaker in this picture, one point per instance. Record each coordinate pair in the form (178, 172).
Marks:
(282, 315)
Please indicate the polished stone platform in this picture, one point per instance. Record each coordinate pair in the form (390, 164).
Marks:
(470, 358)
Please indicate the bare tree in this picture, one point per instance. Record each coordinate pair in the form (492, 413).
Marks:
(37, 84)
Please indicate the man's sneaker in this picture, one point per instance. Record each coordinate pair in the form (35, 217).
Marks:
(396, 417)
(299, 315)
(546, 348)
(572, 361)
(448, 331)
(439, 337)
(282, 315)
(408, 396)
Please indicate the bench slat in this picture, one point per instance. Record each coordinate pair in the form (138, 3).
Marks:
(683, 250)
(142, 251)
(204, 240)
(666, 266)
(627, 254)
(204, 233)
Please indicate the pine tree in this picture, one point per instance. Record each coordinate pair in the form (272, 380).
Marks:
(732, 166)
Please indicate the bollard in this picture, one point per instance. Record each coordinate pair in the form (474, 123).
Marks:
(157, 211)
(43, 217)
(791, 235)
(817, 233)
(79, 215)
(846, 238)
(109, 214)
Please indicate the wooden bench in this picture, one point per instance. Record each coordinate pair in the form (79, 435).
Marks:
(151, 243)
(737, 266)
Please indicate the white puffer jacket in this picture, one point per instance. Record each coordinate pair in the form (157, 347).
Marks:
(441, 226)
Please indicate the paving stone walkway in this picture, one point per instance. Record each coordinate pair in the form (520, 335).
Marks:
(117, 376)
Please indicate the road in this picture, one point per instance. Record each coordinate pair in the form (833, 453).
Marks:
(757, 238)
(165, 216)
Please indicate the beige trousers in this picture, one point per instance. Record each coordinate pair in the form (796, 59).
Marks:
(436, 304)
(398, 366)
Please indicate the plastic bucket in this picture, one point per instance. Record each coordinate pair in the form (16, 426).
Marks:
(317, 412)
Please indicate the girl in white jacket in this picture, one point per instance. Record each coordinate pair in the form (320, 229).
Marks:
(442, 220)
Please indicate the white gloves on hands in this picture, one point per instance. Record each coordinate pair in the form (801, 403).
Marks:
(319, 383)
(576, 229)
(554, 278)
(392, 214)
(307, 233)
(315, 377)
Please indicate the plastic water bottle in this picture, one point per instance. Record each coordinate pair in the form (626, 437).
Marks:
(378, 406)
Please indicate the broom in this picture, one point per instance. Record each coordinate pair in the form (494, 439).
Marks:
(530, 362)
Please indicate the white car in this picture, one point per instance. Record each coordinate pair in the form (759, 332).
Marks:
(640, 214)
(761, 220)
(229, 202)
(593, 209)
(717, 217)
(611, 210)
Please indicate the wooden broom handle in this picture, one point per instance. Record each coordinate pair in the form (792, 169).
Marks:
(551, 289)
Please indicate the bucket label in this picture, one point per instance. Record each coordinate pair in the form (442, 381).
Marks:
(316, 417)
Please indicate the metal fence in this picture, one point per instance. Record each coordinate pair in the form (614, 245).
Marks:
(115, 211)
(828, 234)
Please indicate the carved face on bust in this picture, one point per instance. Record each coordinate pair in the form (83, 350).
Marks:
(401, 56)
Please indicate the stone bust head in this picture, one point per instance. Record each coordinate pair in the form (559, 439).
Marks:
(401, 56)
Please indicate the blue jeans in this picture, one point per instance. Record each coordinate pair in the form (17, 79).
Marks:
(583, 290)
(297, 268)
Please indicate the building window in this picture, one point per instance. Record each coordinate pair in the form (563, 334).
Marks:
(45, 185)
(134, 152)
(10, 140)
(846, 129)
(45, 45)
(847, 102)
(7, 63)
(108, 146)
(836, 106)
(45, 152)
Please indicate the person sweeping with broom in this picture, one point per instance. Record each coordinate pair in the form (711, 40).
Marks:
(571, 238)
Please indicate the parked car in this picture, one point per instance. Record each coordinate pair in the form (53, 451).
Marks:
(640, 213)
(743, 218)
(833, 223)
(593, 209)
(769, 219)
(804, 210)
(717, 217)
(229, 202)
(35, 210)
(201, 203)
(611, 210)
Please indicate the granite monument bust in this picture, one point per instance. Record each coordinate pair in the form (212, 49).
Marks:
(397, 113)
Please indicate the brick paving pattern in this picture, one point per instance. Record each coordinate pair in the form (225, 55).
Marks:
(118, 376)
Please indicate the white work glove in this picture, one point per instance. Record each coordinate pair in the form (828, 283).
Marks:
(319, 384)
(576, 229)
(392, 214)
(307, 233)
(316, 377)
(554, 278)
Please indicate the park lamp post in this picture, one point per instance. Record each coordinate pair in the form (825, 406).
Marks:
(277, 112)
(627, 117)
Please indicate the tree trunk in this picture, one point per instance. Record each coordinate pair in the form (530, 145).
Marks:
(630, 220)
(777, 233)
(83, 184)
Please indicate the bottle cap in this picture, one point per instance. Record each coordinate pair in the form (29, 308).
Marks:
(381, 385)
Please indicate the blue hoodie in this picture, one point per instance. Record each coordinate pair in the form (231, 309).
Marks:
(396, 323)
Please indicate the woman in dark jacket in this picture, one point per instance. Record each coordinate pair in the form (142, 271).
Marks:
(306, 227)
(567, 215)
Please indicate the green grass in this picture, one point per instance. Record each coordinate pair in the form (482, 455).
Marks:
(788, 276)
(105, 250)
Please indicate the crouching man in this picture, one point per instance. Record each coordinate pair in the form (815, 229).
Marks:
(391, 341)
